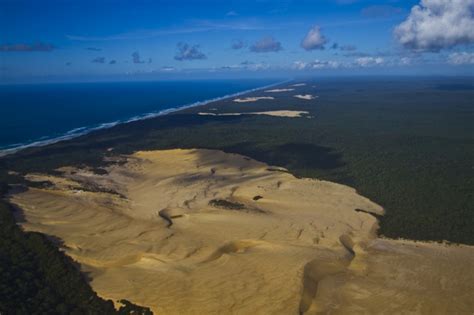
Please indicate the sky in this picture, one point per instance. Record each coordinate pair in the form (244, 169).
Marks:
(69, 40)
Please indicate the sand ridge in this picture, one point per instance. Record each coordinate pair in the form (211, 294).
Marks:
(205, 232)
(253, 99)
(279, 90)
(307, 97)
(276, 113)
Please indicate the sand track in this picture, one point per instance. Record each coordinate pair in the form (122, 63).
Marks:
(205, 232)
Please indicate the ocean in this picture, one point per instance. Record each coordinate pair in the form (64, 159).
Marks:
(44, 113)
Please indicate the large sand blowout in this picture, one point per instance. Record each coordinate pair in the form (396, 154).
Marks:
(253, 99)
(275, 113)
(204, 232)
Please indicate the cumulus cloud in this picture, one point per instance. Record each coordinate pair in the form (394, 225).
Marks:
(247, 65)
(461, 58)
(316, 64)
(238, 44)
(266, 44)
(314, 39)
(27, 47)
(363, 62)
(136, 58)
(188, 52)
(369, 61)
(436, 24)
(98, 60)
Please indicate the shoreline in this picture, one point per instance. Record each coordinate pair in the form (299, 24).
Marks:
(85, 130)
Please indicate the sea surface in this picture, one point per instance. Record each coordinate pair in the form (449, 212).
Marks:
(43, 113)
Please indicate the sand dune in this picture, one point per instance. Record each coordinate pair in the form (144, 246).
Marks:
(204, 232)
(279, 90)
(305, 96)
(253, 99)
(277, 113)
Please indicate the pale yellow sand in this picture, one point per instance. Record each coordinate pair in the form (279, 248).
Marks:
(305, 96)
(277, 113)
(253, 99)
(279, 90)
(295, 246)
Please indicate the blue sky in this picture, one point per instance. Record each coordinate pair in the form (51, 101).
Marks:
(74, 40)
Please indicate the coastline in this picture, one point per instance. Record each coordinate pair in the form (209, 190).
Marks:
(81, 131)
(101, 179)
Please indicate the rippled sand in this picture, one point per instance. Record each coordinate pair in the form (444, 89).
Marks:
(205, 232)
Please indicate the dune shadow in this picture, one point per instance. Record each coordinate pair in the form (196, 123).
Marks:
(291, 155)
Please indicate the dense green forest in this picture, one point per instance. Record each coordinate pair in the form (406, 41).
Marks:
(406, 143)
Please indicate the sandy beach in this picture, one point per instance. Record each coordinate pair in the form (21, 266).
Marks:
(205, 232)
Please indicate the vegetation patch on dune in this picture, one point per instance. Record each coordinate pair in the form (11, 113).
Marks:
(226, 204)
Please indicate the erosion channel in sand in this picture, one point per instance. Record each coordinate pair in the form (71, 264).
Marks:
(205, 232)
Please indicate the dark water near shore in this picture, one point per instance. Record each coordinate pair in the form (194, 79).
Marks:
(32, 113)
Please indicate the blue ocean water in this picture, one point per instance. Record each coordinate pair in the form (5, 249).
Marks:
(32, 113)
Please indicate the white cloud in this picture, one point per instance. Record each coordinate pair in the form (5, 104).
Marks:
(247, 65)
(436, 24)
(316, 64)
(369, 61)
(266, 44)
(405, 61)
(314, 39)
(188, 52)
(461, 58)
(299, 65)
